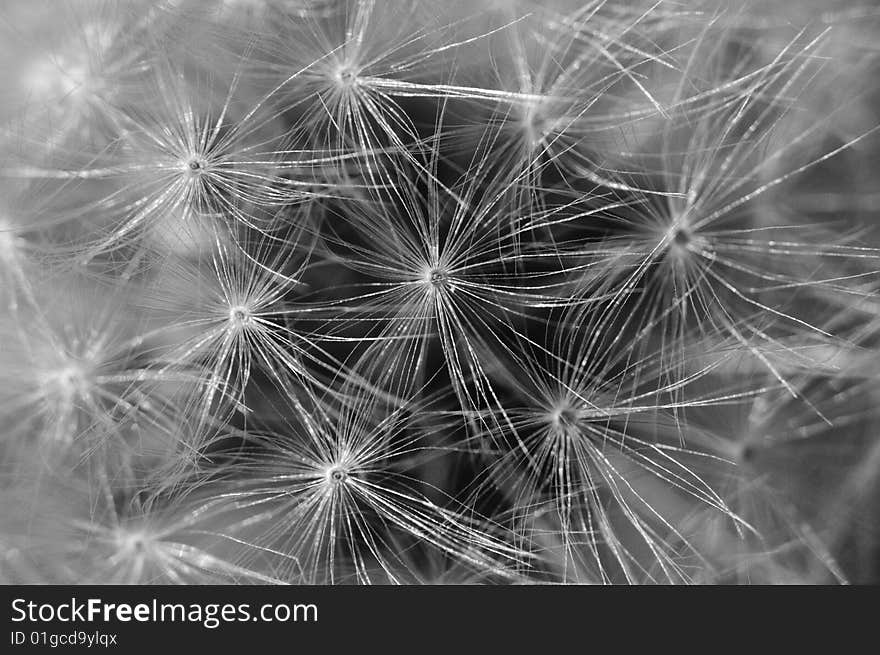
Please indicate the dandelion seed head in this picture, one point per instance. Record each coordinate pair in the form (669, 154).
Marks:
(748, 453)
(337, 475)
(680, 240)
(240, 317)
(69, 382)
(195, 165)
(564, 418)
(346, 76)
(131, 543)
(535, 122)
(73, 74)
(437, 279)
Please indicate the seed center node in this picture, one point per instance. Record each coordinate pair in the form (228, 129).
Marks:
(337, 475)
(346, 76)
(438, 278)
(196, 165)
(240, 316)
(681, 237)
(565, 418)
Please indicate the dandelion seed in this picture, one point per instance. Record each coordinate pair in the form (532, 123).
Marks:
(77, 67)
(330, 499)
(574, 446)
(689, 259)
(337, 475)
(74, 387)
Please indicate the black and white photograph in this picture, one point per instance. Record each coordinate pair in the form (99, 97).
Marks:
(508, 293)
